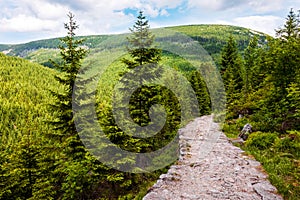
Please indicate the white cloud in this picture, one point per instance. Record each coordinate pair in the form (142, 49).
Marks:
(46, 17)
(47, 10)
(266, 5)
(215, 5)
(23, 23)
(211, 5)
(164, 12)
(165, 3)
(258, 6)
(266, 24)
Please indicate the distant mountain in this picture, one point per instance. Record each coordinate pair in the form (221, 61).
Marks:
(211, 37)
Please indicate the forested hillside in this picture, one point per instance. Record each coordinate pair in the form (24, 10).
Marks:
(211, 37)
(24, 97)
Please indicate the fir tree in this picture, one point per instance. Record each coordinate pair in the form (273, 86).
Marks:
(250, 68)
(141, 42)
(75, 173)
(284, 54)
(200, 89)
(72, 54)
(231, 70)
(291, 29)
(142, 54)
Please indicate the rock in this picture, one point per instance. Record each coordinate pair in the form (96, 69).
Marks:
(247, 129)
(266, 191)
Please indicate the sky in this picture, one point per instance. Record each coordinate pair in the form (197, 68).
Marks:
(28, 20)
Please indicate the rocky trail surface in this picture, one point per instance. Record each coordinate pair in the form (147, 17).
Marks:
(210, 167)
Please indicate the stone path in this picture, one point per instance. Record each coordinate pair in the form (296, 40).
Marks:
(210, 167)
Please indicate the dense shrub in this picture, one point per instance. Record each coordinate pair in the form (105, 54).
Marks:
(261, 140)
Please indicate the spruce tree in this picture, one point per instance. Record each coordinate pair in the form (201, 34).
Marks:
(199, 86)
(141, 47)
(250, 69)
(291, 29)
(231, 72)
(284, 54)
(142, 54)
(281, 62)
(75, 173)
(72, 54)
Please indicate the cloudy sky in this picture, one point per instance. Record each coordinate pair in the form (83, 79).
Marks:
(27, 20)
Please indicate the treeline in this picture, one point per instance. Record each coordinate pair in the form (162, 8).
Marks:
(263, 87)
(24, 50)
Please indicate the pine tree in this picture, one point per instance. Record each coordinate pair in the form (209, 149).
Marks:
(76, 173)
(142, 54)
(200, 89)
(72, 54)
(291, 29)
(281, 62)
(231, 72)
(231, 65)
(250, 68)
(284, 54)
(141, 41)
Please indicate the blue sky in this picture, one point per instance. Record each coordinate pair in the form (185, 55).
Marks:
(22, 20)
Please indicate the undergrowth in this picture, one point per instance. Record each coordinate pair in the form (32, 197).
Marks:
(279, 155)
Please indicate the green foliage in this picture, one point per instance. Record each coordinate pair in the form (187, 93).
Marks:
(283, 171)
(200, 89)
(290, 144)
(232, 128)
(141, 41)
(280, 158)
(270, 103)
(72, 54)
(211, 37)
(261, 140)
(231, 71)
(24, 98)
(79, 172)
(42, 56)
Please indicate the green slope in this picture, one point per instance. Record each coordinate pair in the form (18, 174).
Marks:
(23, 97)
(211, 37)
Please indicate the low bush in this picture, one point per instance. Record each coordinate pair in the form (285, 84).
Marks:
(261, 140)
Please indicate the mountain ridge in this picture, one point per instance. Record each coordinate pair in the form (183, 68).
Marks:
(211, 36)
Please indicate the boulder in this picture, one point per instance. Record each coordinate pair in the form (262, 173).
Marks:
(247, 129)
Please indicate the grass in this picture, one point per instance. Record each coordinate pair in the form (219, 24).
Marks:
(278, 154)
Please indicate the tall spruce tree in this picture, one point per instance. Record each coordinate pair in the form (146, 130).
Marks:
(250, 57)
(283, 54)
(231, 72)
(141, 47)
(281, 62)
(72, 54)
(142, 54)
(76, 174)
(199, 86)
(291, 29)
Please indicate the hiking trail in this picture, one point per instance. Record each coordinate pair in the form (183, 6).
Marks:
(211, 168)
